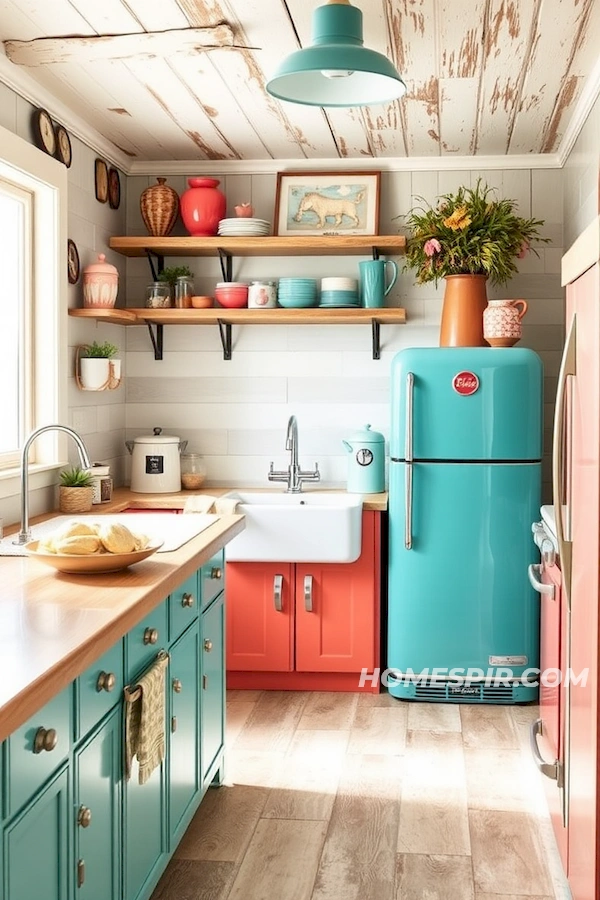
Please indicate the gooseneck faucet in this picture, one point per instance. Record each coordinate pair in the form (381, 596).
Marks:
(294, 475)
(25, 532)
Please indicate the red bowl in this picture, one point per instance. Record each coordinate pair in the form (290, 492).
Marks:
(232, 297)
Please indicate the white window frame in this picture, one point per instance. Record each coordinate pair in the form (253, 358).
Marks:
(22, 164)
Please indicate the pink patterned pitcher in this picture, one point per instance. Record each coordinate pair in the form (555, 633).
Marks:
(502, 322)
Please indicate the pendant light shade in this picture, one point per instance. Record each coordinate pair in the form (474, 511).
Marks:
(336, 70)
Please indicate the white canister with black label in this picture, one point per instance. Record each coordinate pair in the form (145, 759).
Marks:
(262, 295)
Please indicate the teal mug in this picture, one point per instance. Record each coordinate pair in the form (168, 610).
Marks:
(373, 289)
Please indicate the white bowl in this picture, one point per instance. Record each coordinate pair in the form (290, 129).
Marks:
(338, 284)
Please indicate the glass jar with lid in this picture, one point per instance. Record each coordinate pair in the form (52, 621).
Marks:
(158, 295)
(184, 289)
(193, 471)
(262, 295)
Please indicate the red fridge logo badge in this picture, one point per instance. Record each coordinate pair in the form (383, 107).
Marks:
(465, 383)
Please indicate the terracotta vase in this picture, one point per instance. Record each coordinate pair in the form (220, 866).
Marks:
(159, 205)
(465, 300)
(202, 207)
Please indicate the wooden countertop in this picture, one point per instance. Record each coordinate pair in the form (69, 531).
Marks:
(53, 626)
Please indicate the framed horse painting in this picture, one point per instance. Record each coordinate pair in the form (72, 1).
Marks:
(327, 203)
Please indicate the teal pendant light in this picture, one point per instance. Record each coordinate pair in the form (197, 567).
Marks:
(336, 70)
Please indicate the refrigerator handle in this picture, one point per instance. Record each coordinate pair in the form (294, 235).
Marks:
(410, 389)
(408, 456)
(565, 547)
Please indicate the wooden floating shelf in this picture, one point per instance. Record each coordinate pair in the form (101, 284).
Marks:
(314, 316)
(319, 245)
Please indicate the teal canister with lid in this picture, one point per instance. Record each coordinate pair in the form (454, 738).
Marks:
(366, 461)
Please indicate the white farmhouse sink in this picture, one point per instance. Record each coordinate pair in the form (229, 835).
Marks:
(310, 527)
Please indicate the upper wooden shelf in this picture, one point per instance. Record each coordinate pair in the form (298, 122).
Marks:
(320, 245)
(314, 316)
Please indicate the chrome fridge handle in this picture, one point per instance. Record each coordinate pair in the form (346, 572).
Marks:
(565, 547)
(408, 456)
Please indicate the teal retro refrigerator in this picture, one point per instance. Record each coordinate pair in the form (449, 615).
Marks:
(464, 488)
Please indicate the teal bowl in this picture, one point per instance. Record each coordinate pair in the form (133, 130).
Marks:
(297, 301)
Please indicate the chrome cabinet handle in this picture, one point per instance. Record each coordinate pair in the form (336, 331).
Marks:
(106, 682)
(45, 739)
(565, 547)
(151, 635)
(187, 600)
(216, 572)
(308, 593)
(177, 685)
(550, 770)
(278, 593)
(408, 456)
(84, 816)
(533, 572)
(208, 645)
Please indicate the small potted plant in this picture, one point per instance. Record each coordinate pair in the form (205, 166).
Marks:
(171, 274)
(98, 369)
(76, 490)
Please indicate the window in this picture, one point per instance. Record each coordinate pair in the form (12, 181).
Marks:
(16, 240)
(33, 325)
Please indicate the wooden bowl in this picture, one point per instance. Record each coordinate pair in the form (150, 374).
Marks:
(202, 302)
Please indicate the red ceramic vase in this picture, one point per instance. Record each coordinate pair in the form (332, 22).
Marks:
(202, 207)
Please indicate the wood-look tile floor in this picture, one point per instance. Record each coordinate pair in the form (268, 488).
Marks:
(363, 797)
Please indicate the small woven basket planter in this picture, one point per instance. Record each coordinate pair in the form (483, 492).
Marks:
(75, 499)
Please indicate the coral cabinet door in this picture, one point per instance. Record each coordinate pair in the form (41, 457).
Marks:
(260, 620)
(336, 609)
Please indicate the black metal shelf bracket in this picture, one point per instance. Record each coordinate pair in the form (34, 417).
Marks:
(225, 332)
(375, 252)
(157, 340)
(226, 261)
(375, 335)
(160, 262)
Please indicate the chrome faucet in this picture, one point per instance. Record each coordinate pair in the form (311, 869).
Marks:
(25, 533)
(294, 475)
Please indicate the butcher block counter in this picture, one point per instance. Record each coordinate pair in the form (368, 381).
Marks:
(54, 625)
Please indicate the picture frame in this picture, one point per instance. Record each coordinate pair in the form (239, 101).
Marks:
(72, 262)
(332, 203)
(64, 151)
(114, 188)
(101, 180)
(43, 131)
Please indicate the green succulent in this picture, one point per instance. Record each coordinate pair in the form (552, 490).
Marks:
(172, 273)
(76, 477)
(99, 351)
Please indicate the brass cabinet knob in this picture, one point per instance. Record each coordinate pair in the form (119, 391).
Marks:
(177, 685)
(208, 645)
(106, 682)
(187, 600)
(84, 816)
(150, 635)
(45, 739)
(216, 572)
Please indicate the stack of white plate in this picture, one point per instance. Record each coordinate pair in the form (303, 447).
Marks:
(340, 283)
(244, 227)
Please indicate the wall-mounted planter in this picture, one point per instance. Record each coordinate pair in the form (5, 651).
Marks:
(97, 373)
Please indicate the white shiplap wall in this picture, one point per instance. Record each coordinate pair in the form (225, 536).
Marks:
(235, 412)
(582, 178)
(98, 416)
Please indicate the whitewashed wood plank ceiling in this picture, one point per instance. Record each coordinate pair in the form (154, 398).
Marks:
(484, 77)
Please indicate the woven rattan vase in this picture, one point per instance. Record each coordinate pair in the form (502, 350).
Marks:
(75, 499)
(159, 205)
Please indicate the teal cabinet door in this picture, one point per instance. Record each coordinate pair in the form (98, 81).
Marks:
(145, 640)
(183, 607)
(212, 700)
(184, 738)
(99, 689)
(144, 844)
(36, 846)
(212, 576)
(96, 813)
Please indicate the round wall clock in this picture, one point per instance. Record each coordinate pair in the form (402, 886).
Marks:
(63, 145)
(43, 130)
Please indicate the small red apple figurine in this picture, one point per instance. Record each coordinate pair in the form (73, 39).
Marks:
(244, 210)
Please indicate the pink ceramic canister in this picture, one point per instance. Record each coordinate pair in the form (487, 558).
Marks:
(100, 284)
(502, 322)
(202, 207)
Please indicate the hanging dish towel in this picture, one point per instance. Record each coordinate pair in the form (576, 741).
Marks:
(145, 720)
